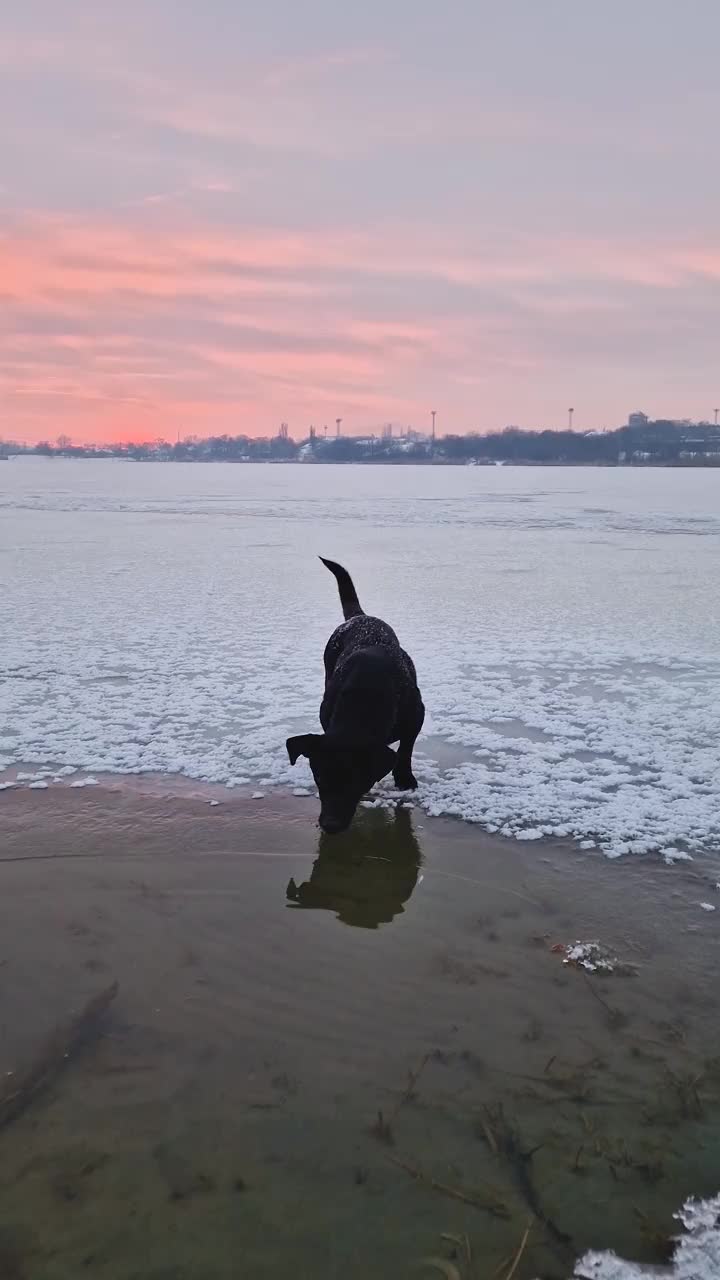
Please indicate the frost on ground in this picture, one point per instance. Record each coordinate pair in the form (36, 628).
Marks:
(697, 1251)
(563, 625)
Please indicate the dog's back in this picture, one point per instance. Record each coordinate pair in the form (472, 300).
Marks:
(359, 630)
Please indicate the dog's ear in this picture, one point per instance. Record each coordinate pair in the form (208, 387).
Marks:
(302, 745)
(384, 759)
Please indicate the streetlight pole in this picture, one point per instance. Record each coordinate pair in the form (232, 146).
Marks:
(337, 426)
(570, 418)
(432, 415)
(716, 414)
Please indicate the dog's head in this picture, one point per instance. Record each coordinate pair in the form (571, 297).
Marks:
(343, 774)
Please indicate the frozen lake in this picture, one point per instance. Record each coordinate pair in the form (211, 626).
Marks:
(564, 622)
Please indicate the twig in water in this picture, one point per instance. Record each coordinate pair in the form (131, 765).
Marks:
(520, 1251)
(488, 1132)
(493, 1204)
(448, 1269)
(521, 1169)
(382, 1130)
(409, 1091)
(616, 1017)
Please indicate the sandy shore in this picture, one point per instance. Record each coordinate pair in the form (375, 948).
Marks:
(325, 1057)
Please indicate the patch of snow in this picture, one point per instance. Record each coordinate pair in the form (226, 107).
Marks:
(85, 782)
(258, 795)
(696, 1257)
(213, 803)
(301, 791)
(591, 956)
(707, 906)
(671, 855)
(38, 786)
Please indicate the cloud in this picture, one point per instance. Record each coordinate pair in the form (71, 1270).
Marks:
(219, 221)
(219, 330)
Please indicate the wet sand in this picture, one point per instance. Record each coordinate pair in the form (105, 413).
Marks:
(326, 1058)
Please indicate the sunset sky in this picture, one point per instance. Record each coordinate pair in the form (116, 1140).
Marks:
(217, 216)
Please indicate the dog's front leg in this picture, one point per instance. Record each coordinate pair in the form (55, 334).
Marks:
(403, 776)
(410, 725)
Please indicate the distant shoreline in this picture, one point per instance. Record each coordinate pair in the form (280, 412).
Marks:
(641, 443)
(682, 464)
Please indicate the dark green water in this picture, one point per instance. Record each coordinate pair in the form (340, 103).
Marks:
(337, 1060)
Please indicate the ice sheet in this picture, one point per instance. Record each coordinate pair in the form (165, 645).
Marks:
(563, 622)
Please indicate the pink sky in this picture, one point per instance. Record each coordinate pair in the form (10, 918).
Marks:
(213, 225)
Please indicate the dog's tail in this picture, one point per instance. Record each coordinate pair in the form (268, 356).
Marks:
(348, 595)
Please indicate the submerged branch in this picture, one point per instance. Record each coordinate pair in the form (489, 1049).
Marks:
(21, 1088)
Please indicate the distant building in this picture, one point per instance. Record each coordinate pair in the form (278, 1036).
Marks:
(637, 419)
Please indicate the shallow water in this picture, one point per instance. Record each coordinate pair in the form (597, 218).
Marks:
(328, 1057)
(172, 618)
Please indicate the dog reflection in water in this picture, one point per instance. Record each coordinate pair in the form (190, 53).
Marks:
(365, 875)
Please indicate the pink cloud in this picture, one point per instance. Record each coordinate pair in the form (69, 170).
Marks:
(110, 327)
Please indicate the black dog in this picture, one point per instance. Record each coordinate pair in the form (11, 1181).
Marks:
(371, 699)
